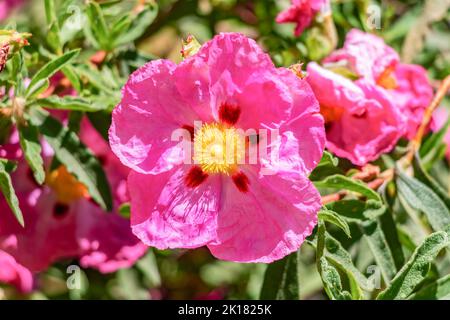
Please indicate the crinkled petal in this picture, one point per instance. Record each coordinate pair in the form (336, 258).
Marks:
(269, 221)
(366, 54)
(412, 95)
(150, 111)
(165, 213)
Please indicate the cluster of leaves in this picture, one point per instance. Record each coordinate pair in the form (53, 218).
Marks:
(384, 244)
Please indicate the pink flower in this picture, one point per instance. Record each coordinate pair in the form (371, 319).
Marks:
(361, 121)
(369, 58)
(6, 6)
(238, 211)
(14, 273)
(301, 12)
(62, 222)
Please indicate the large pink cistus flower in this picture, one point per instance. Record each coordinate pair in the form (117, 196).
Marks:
(61, 221)
(301, 12)
(238, 210)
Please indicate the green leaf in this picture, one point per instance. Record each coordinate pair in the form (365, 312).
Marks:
(416, 269)
(139, 25)
(49, 70)
(281, 280)
(31, 147)
(434, 141)
(125, 210)
(75, 156)
(342, 182)
(334, 218)
(68, 103)
(332, 281)
(356, 210)
(439, 289)
(380, 249)
(328, 159)
(8, 190)
(98, 25)
(425, 178)
(422, 198)
(337, 254)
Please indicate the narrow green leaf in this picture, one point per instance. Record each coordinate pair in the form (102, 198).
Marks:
(8, 190)
(342, 182)
(416, 269)
(332, 281)
(425, 178)
(422, 198)
(281, 280)
(98, 25)
(68, 103)
(434, 141)
(70, 73)
(31, 147)
(380, 249)
(139, 25)
(50, 69)
(439, 289)
(75, 156)
(334, 218)
(337, 254)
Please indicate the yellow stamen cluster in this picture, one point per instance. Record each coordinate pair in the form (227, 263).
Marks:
(67, 188)
(218, 149)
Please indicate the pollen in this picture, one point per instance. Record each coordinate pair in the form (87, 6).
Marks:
(67, 188)
(219, 149)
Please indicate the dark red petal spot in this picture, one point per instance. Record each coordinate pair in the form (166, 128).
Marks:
(60, 210)
(241, 181)
(103, 159)
(362, 115)
(191, 131)
(229, 114)
(195, 177)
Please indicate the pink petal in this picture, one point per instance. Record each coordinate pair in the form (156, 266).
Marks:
(13, 273)
(150, 110)
(367, 55)
(105, 239)
(168, 214)
(268, 222)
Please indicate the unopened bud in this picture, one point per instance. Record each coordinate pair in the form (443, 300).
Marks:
(190, 47)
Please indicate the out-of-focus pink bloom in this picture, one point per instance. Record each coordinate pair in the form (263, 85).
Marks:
(371, 60)
(7, 6)
(361, 121)
(13, 273)
(301, 12)
(238, 211)
(61, 221)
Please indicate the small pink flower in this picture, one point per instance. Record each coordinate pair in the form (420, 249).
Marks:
(301, 12)
(13, 273)
(370, 59)
(61, 221)
(235, 209)
(361, 121)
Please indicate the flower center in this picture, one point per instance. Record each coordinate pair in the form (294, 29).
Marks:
(218, 149)
(67, 188)
(387, 79)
